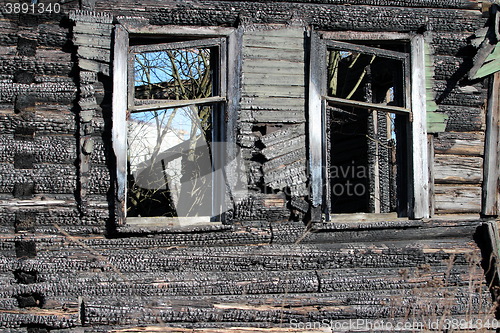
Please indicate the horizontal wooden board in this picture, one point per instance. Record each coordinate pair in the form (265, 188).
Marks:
(272, 103)
(93, 53)
(273, 42)
(279, 31)
(273, 67)
(456, 169)
(259, 54)
(457, 199)
(275, 91)
(273, 79)
(100, 29)
(467, 143)
(272, 116)
(94, 40)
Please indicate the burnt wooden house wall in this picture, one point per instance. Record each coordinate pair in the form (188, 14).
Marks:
(64, 264)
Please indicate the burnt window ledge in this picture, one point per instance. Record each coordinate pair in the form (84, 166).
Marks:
(287, 232)
(159, 225)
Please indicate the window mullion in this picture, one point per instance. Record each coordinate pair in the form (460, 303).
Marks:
(366, 105)
(176, 104)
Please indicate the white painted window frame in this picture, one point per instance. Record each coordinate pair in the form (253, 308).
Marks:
(418, 196)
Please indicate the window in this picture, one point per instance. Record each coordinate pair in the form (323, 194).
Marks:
(170, 107)
(365, 101)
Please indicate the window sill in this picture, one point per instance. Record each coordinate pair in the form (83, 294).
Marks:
(156, 225)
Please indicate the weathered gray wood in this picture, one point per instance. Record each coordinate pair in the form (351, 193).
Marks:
(272, 103)
(230, 116)
(119, 135)
(316, 124)
(273, 67)
(94, 66)
(455, 169)
(274, 40)
(375, 267)
(93, 53)
(457, 143)
(140, 25)
(159, 104)
(201, 43)
(367, 50)
(431, 152)
(262, 54)
(263, 90)
(96, 41)
(272, 116)
(457, 199)
(250, 78)
(279, 31)
(369, 106)
(490, 203)
(420, 173)
(100, 29)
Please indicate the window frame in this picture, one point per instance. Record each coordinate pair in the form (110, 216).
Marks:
(123, 98)
(221, 68)
(418, 159)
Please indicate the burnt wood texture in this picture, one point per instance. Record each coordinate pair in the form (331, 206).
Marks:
(69, 262)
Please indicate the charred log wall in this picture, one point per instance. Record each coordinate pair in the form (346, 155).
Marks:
(59, 267)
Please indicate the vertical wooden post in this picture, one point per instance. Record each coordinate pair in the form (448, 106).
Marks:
(491, 150)
(316, 53)
(432, 207)
(119, 132)
(419, 196)
(231, 165)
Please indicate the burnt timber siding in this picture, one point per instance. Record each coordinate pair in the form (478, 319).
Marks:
(458, 151)
(62, 267)
(272, 104)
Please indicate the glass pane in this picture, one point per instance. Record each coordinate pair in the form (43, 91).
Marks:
(179, 74)
(365, 77)
(170, 165)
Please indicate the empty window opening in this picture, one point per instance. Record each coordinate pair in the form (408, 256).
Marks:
(175, 102)
(366, 119)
